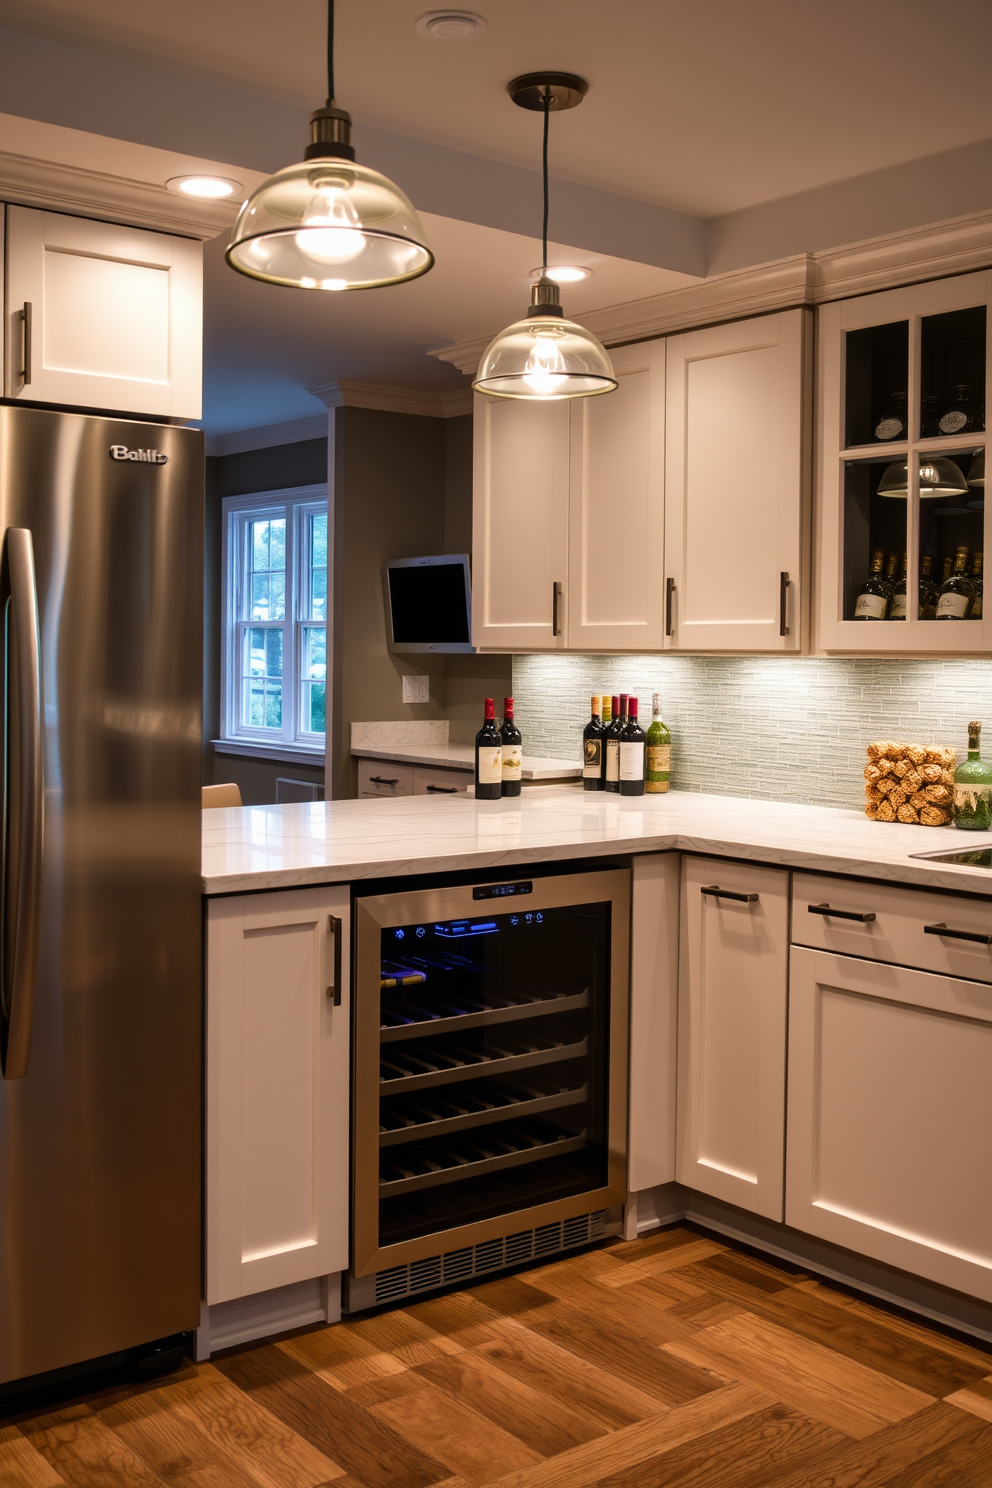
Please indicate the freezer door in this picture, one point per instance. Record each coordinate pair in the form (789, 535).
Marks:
(100, 1103)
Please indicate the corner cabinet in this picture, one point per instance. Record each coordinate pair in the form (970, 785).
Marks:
(737, 485)
(901, 421)
(277, 1107)
(100, 316)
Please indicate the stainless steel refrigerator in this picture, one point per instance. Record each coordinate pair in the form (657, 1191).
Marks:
(100, 1015)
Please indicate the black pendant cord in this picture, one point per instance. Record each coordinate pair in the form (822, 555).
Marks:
(544, 231)
(330, 51)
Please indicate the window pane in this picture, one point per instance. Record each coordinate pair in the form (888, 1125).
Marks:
(315, 662)
(318, 567)
(318, 594)
(318, 541)
(314, 716)
(273, 707)
(273, 653)
(267, 568)
(256, 703)
(256, 653)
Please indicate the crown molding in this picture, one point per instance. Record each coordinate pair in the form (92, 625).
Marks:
(933, 252)
(239, 441)
(347, 394)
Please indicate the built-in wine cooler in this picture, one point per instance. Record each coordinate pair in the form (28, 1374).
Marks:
(489, 1124)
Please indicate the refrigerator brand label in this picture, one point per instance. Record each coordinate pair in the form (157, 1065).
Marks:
(146, 456)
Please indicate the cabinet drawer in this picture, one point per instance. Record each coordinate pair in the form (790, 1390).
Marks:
(429, 781)
(384, 778)
(903, 930)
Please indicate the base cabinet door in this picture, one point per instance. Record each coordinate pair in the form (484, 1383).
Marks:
(737, 485)
(102, 316)
(520, 525)
(890, 1116)
(733, 988)
(277, 1112)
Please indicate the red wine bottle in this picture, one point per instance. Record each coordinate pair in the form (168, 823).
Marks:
(592, 749)
(512, 741)
(488, 758)
(612, 781)
(632, 753)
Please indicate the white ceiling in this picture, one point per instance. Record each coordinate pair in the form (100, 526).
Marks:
(706, 107)
(264, 345)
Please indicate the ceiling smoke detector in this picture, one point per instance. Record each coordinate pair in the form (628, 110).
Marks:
(450, 25)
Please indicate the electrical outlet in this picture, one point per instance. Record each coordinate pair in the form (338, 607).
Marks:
(416, 689)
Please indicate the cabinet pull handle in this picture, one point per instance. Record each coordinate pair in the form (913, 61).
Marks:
(334, 928)
(669, 596)
(783, 599)
(841, 914)
(957, 934)
(556, 608)
(381, 780)
(27, 316)
(716, 893)
(444, 790)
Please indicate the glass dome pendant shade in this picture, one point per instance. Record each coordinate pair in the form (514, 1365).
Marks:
(938, 477)
(545, 357)
(329, 223)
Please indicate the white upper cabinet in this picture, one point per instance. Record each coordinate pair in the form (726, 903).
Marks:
(520, 525)
(102, 316)
(901, 434)
(736, 486)
(616, 534)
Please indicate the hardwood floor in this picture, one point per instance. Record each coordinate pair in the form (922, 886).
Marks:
(670, 1362)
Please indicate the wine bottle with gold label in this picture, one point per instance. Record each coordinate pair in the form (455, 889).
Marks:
(975, 608)
(658, 750)
(955, 591)
(873, 597)
(897, 603)
(592, 748)
(928, 589)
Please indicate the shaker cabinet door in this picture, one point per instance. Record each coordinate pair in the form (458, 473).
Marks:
(520, 525)
(102, 316)
(890, 1116)
(733, 986)
(737, 485)
(616, 510)
(277, 1114)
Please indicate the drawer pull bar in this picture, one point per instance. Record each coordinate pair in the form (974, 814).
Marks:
(444, 790)
(841, 914)
(957, 934)
(380, 780)
(716, 893)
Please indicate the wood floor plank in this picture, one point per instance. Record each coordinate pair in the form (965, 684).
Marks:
(547, 1425)
(672, 1238)
(340, 1358)
(673, 1258)
(621, 1352)
(743, 1454)
(471, 1446)
(813, 1379)
(174, 1446)
(976, 1398)
(402, 1334)
(512, 1296)
(932, 1338)
(87, 1454)
(546, 1367)
(630, 1447)
(967, 1463)
(21, 1466)
(870, 1462)
(366, 1447)
(646, 1312)
(458, 1318)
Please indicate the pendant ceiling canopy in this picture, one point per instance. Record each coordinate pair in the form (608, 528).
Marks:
(329, 223)
(544, 356)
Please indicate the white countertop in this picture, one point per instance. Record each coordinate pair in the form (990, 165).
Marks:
(462, 757)
(273, 847)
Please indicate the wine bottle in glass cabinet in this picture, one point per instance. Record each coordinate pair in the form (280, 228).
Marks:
(873, 599)
(955, 592)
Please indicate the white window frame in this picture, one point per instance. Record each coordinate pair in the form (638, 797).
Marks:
(297, 503)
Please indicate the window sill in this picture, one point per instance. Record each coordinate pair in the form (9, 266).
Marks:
(290, 754)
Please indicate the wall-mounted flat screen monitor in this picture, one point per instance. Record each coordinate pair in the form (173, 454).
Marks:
(429, 603)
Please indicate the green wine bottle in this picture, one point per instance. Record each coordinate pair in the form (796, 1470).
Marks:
(973, 787)
(659, 750)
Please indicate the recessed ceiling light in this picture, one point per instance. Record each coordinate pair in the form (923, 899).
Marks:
(562, 273)
(204, 186)
(450, 25)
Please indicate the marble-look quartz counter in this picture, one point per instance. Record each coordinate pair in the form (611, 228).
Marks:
(462, 757)
(276, 847)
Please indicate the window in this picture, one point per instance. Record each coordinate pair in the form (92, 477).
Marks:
(275, 651)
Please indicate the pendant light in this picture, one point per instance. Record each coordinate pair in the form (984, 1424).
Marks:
(544, 356)
(938, 477)
(329, 223)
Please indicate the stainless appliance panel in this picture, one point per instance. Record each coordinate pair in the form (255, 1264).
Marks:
(100, 1137)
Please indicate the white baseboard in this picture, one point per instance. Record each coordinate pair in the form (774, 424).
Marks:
(265, 1314)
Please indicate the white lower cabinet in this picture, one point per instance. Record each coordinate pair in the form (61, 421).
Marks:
(733, 983)
(890, 1115)
(277, 1104)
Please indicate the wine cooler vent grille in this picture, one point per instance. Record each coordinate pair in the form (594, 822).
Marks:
(493, 1255)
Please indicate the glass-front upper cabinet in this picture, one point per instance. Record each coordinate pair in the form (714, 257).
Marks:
(901, 431)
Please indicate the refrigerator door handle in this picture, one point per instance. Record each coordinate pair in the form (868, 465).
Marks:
(24, 846)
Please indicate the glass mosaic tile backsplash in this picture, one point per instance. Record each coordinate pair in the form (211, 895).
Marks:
(780, 728)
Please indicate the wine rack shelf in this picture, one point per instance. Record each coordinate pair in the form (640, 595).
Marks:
(491, 1106)
(443, 1065)
(424, 1021)
(464, 1157)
